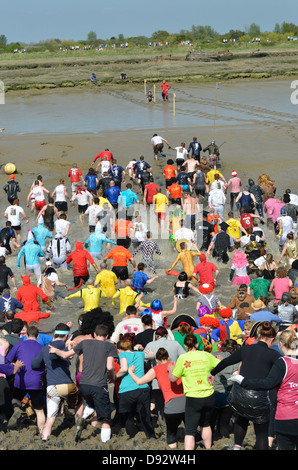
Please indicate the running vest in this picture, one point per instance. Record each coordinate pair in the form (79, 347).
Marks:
(246, 200)
(287, 392)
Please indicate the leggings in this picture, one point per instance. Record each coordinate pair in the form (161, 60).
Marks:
(286, 442)
(172, 422)
(261, 431)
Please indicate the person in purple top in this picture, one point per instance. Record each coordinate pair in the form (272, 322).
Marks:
(27, 380)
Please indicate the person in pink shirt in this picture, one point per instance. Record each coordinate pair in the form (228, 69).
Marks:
(235, 183)
(272, 208)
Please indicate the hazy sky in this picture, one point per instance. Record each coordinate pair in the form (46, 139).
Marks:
(35, 20)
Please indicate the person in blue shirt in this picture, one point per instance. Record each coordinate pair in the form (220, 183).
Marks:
(32, 252)
(9, 303)
(112, 194)
(91, 181)
(140, 279)
(41, 233)
(127, 198)
(195, 148)
(140, 166)
(95, 240)
(118, 173)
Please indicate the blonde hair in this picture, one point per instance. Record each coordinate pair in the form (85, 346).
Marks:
(289, 340)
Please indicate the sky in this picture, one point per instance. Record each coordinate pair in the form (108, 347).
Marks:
(36, 20)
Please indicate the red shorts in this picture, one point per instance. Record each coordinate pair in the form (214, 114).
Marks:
(39, 205)
(161, 215)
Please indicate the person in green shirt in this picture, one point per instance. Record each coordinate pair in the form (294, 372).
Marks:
(193, 367)
(259, 286)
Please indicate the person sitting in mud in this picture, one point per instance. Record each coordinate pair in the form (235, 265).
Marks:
(149, 96)
(94, 79)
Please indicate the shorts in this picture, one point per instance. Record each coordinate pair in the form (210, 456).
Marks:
(128, 401)
(161, 215)
(121, 272)
(56, 393)
(198, 412)
(158, 148)
(39, 205)
(185, 187)
(79, 279)
(36, 397)
(170, 181)
(180, 161)
(82, 209)
(74, 186)
(176, 200)
(200, 192)
(97, 398)
(16, 227)
(61, 206)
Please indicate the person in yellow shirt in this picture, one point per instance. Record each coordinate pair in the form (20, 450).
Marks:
(235, 228)
(160, 202)
(186, 257)
(90, 295)
(210, 177)
(127, 296)
(107, 280)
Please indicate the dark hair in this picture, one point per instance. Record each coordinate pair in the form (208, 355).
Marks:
(266, 330)
(182, 276)
(127, 342)
(141, 266)
(101, 330)
(61, 327)
(161, 331)
(32, 331)
(147, 320)
(131, 310)
(190, 341)
(162, 354)
(16, 325)
(229, 345)
(96, 317)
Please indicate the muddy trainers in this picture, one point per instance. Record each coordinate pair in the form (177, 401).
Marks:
(13, 421)
(79, 428)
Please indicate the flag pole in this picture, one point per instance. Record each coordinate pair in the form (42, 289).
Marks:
(217, 87)
(174, 98)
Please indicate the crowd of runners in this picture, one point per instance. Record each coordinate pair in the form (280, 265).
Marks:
(212, 370)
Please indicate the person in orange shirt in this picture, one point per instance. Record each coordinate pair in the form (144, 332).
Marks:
(123, 229)
(176, 192)
(120, 256)
(165, 87)
(215, 220)
(170, 172)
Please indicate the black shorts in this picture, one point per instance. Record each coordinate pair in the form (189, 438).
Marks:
(61, 206)
(36, 397)
(78, 279)
(121, 272)
(134, 399)
(198, 413)
(82, 209)
(97, 398)
(16, 227)
(200, 192)
(170, 181)
(180, 161)
(176, 200)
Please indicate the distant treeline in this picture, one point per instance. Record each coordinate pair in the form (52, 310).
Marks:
(196, 36)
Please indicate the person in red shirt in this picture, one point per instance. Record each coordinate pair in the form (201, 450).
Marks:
(76, 178)
(176, 192)
(101, 155)
(246, 218)
(165, 87)
(149, 191)
(79, 258)
(205, 272)
(170, 172)
(28, 295)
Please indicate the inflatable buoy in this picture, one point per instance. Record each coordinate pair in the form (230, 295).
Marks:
(9, 168)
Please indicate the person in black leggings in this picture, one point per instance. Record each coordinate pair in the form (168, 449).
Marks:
(256, 361)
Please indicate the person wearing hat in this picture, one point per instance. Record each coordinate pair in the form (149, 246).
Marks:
(235, 184)
(185, 324)
(228, 327)
(261, 313)
(220, 244)
(12, 188)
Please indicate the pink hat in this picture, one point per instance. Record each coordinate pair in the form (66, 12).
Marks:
(234, 173)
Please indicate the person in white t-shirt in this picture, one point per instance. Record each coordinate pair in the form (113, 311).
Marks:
(37, 193)
(181, 154)
(92, 212)
(60, 194)
(129, 168)
(157, 144)
(13, 213)
(62, 225)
